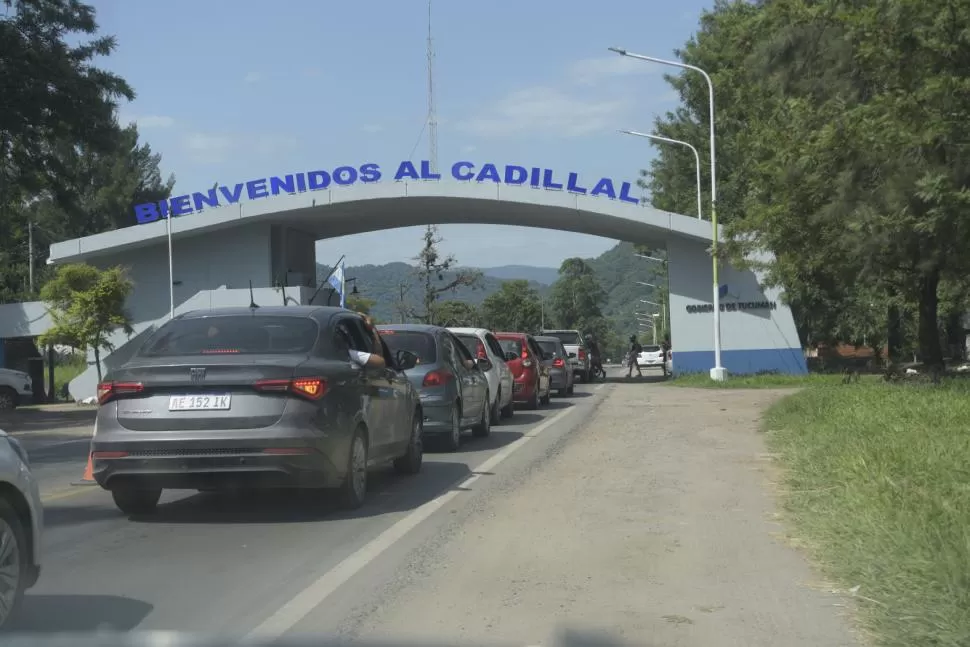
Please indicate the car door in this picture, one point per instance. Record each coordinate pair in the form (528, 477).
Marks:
(380, 390)
(541, 366)
(497, 356)
(476, 377)
(463, 377)
(401, 405)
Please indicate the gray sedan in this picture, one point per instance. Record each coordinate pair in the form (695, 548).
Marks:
(557, 359)
(262, 397)
(452, 384)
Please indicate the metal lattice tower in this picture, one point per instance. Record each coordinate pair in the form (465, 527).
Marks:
(432, 115)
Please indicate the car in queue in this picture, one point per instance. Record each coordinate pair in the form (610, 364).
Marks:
(481, 343)
(265, 397)
(21, 526)
(652, 356)
(16, 388)
(452, 384)
(556, 360)
(530, 377)
(579, 357)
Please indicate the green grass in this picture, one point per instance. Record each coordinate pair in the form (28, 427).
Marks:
(762, 381)
(66, 371)
(878, 487)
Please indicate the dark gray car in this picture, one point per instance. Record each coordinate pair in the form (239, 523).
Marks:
(262, 397)
(452, 384)
(557, 359)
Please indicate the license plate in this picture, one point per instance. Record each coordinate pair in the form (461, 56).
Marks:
(199, 402)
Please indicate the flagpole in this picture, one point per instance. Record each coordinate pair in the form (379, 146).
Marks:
(343, 285)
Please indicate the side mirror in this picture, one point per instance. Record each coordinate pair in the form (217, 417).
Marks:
(406, 360)
(572, 355)
(509, 356)
(483, 363)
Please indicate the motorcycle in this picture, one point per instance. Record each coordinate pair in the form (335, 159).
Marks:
(597, 368)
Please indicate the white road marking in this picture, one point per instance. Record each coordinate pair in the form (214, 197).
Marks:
(311, 597)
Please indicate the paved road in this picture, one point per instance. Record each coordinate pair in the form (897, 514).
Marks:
(219, 564)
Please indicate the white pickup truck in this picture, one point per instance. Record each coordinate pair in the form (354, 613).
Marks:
(579, 359)
(15, 388)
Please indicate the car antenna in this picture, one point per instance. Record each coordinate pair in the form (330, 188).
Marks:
(252, 299)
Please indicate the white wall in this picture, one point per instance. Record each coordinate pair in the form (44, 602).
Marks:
(752, 340)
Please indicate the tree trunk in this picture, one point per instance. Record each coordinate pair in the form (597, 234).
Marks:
(894, 334)
(929, 332)
(956, 336)
(97, 361)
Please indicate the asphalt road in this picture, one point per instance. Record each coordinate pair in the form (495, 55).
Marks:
(271, 565)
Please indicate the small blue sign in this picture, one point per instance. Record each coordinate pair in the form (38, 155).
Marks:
(293, 183)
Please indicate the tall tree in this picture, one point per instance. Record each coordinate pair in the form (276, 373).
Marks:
(577, 296)
(516, 307)
(456, 314)
(87, 306)
(53, 97)
(432, 270)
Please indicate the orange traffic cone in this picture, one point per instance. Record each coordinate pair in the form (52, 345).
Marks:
(88, 477)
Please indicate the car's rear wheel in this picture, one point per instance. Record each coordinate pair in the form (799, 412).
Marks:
(8, 398)
(484, 426)
(13, 561)
(533, 402)
(133, 501)
(453, 439)
(411, 462)
(509, 410)
(496, 412)
(353, 491)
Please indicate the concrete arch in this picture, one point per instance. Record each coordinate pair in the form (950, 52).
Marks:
(217, 253)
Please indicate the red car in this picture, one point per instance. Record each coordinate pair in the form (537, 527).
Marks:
(530, 378)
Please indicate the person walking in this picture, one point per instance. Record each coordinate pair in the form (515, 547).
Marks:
(632, 363)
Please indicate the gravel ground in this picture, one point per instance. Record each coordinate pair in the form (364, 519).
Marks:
(655, 523)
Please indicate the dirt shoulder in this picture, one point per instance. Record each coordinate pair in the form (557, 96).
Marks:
(655, 523)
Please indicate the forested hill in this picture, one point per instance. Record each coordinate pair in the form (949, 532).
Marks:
(617, 271)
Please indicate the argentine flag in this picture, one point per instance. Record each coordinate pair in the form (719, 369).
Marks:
(338, 283)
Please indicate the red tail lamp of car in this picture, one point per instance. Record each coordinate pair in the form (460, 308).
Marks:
(558, 362)
(311, 388)
(437, 378)
(108, 391)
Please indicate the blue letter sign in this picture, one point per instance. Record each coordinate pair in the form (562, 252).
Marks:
(319, 180)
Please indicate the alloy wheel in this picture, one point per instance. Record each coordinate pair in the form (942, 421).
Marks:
(358, 466)
(10, 570)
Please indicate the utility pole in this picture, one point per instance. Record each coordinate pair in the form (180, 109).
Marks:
(432, 115)
(30, 256)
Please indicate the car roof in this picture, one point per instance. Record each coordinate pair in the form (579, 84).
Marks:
(471, 331)
(512, 334)
(427, 328)
(317, 312)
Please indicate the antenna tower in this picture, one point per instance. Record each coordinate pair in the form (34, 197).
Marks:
(432, 115)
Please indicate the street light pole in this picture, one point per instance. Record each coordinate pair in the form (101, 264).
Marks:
(171, 271)
(718, 373)
(697, 160)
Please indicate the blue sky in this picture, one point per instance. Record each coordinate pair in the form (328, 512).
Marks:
(233, 90)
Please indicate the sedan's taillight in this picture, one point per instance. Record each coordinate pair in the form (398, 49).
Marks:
(108, 391)
(311, 388)
(558, 362)
(437, 378)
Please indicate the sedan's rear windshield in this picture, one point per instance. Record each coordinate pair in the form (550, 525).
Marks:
(233, 335)
(549, 347)
(513, 345)
(566, 337)
(419, 343)
(651, 349)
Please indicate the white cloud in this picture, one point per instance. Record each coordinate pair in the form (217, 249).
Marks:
(148, 121)
(591, 71)
(253, 77)
(547, 110)
(372, 128)
(205, 147)
(208, 148)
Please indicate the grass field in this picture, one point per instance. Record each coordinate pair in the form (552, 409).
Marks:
(878, 489)
(766, 381)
